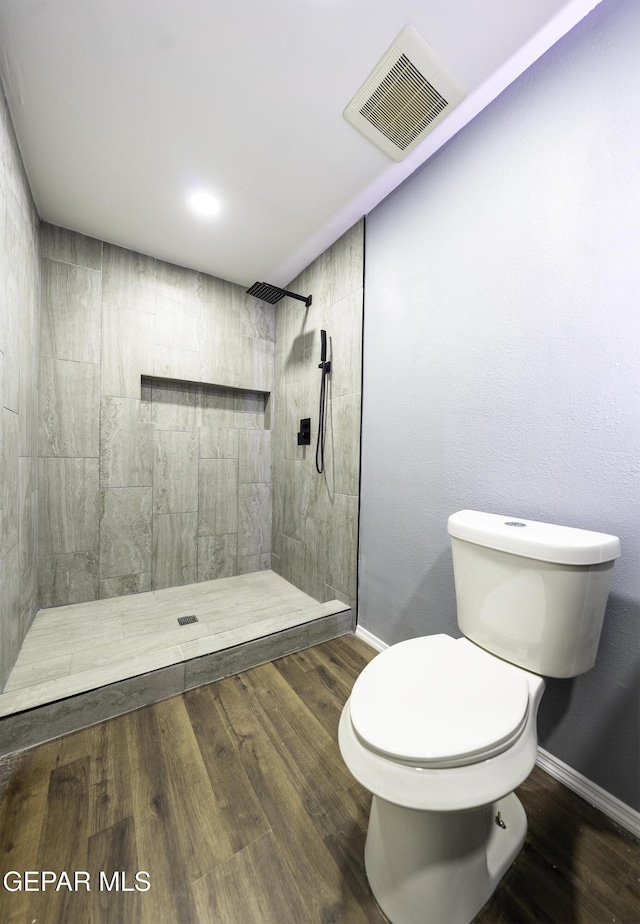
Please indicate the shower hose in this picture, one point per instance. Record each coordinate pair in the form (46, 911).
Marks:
(322, 412)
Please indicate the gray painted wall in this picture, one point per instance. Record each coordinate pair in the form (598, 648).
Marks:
(501, 363)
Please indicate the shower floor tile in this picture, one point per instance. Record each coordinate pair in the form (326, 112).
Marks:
(75, 648)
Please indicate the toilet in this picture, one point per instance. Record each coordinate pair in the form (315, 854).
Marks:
(442, 730)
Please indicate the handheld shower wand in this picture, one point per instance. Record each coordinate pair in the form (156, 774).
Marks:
(325, 365)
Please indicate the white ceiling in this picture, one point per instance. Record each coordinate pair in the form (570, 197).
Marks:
(123, 107)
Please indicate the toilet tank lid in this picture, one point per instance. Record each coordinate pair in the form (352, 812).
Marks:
(531, 539)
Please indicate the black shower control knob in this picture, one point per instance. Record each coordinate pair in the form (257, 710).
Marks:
(304, 433)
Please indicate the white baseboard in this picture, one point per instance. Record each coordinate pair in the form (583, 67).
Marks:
(627, 817)
(609, 805)
(370, 638)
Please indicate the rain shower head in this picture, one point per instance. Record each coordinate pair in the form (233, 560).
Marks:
(273, 294)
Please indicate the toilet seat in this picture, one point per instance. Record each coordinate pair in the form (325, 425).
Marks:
(439, 702)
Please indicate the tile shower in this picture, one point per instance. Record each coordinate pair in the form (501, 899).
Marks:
(160, 448)
(170, 403)
(148, 421)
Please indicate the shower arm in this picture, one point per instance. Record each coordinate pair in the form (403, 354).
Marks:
(302, 298)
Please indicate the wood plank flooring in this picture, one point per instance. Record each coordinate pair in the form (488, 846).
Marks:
(234, 800)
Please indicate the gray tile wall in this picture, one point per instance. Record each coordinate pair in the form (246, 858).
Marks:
(148, 475)
(20, 286)
(315, 517)
(211, 460)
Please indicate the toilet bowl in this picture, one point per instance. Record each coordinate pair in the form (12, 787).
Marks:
(441, 733)
(442, 730)
(436, 723)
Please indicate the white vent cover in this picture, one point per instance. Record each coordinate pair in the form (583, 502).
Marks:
(404, 97)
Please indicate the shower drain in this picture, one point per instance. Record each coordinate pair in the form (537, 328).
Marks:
(186, 620)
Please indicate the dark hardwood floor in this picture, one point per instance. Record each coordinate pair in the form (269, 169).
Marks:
(233, 801)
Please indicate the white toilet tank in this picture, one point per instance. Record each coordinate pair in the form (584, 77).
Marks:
(532, 593)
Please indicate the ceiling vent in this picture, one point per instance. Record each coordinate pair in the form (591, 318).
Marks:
(404, 97)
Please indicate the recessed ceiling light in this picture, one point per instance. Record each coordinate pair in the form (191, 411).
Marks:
(204, 203)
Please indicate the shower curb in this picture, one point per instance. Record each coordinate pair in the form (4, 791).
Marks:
(30, 727)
